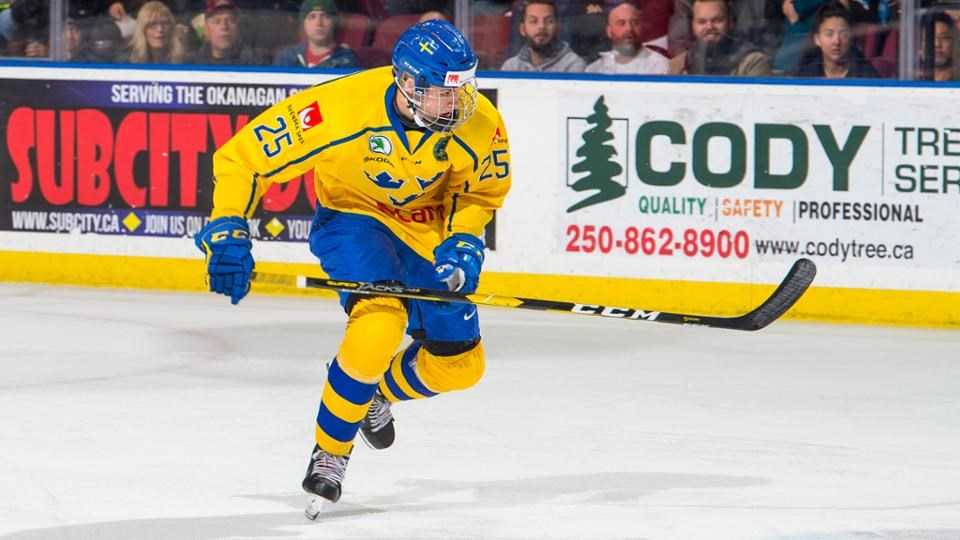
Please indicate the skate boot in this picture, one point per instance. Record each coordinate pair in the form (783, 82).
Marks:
(324, 479)
(377, 427)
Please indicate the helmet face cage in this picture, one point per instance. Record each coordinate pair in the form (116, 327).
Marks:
(439, 108)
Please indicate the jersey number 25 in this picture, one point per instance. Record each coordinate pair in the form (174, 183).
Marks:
(279, 135)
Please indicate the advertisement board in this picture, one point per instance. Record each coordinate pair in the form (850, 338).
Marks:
(131, 159)
(865, 181)
(665, 183)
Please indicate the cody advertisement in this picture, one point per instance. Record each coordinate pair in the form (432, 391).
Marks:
(130, 158)
(682, 178)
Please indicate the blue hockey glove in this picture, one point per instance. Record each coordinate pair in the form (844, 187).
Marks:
(458, 261)
(226, 242)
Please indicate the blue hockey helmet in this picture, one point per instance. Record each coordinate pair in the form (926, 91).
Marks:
(435, 70)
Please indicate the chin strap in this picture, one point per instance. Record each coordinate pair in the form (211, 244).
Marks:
(418, 120)
(411, 106)
(416, 116)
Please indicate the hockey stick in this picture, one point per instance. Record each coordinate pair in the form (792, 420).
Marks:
(788, 292)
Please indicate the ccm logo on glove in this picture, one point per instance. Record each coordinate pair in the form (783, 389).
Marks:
(226, 243)
(222, 235)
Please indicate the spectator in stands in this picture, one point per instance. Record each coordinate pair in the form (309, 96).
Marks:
(717, 48)
(24, 26)
(800, 16)
(583, 25)
(758, 21)
(101, 44)
(223, 44)
(29, 20)
(72, 38)
(944, 48)
(35, 46)
(154, 41)
(628, 55)
(543, 50)
(319, 20)
(835, 55)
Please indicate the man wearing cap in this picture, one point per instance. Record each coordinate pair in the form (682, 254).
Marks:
(222, 44)
(319, 21)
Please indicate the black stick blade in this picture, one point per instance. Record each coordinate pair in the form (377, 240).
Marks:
(792, 287)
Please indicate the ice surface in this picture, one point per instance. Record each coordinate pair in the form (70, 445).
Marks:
(153, 415)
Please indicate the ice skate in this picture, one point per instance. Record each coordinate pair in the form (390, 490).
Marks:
(323, 480)
(377, 428)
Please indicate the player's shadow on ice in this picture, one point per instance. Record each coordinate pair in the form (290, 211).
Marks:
(599, 488)
(430, 496)
(419, 495)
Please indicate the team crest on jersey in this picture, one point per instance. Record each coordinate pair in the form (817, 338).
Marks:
(380, 145)
(310, 116)
(440, 149)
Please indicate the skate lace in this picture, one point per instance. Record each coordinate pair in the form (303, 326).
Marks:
(379, 415)
(329, 466)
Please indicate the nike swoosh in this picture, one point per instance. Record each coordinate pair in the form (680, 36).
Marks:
(470, 315)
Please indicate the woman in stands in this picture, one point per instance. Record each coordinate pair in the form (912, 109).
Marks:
(155, 40)
(835, 56)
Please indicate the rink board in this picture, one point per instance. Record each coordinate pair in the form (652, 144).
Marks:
(670, 193)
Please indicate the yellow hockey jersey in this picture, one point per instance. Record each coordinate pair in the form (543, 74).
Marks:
(423, 185)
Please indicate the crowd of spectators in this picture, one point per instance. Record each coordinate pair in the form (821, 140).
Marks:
(806, 38)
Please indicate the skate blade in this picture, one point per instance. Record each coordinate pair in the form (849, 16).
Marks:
(315, 506)
(365, 441)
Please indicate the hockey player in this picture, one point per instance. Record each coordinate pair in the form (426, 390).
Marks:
(409, 164)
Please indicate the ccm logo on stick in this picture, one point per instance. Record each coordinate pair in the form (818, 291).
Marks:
(616, 312)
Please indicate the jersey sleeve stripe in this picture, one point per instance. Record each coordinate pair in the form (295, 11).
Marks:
(453, 210)
(319, 149)
(253, 196)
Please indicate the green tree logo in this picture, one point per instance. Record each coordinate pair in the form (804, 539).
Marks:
(597, 162)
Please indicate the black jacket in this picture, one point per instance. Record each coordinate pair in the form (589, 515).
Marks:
(720, 60)
(811, 65)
